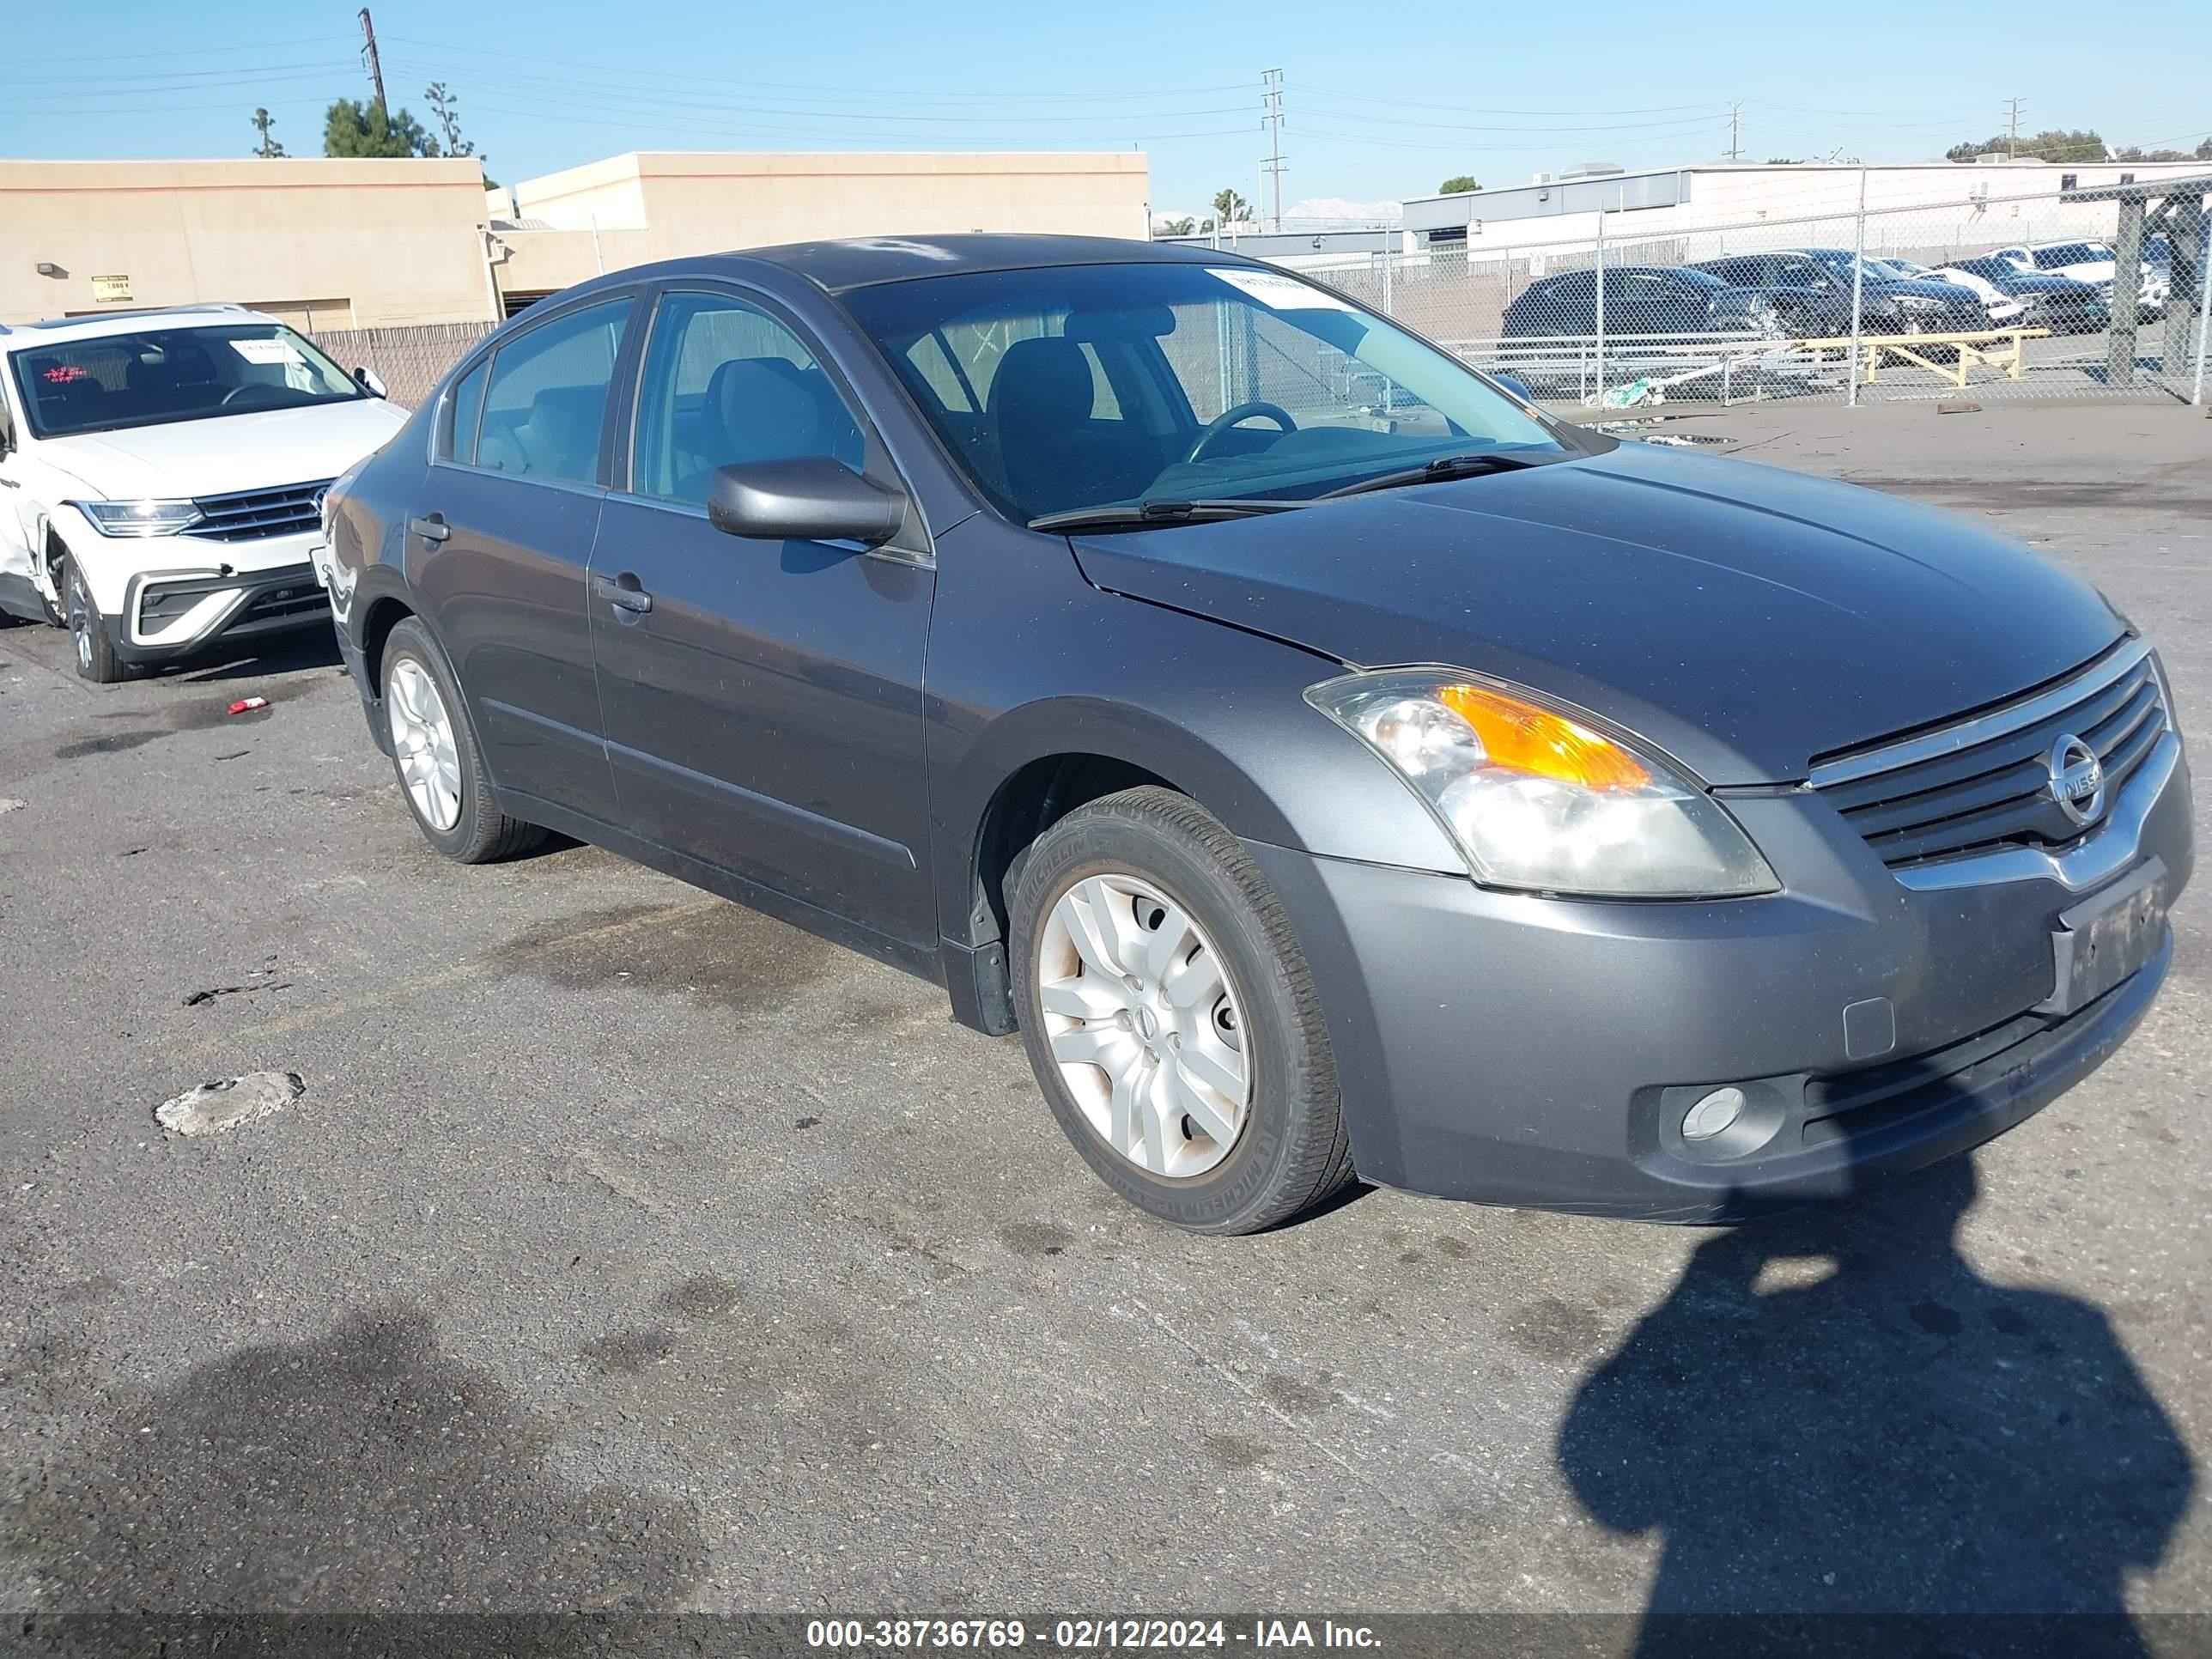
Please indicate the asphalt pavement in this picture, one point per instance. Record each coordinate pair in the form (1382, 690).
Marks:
(623, 1248)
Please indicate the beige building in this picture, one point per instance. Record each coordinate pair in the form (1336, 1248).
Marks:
(340, 245)
(631, 209)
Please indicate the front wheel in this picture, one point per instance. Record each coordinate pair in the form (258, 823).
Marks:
(1171, 1018)
(441, 774)
(96, 652)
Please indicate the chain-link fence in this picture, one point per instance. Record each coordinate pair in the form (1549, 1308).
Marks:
(410, 361)
(1969, 298)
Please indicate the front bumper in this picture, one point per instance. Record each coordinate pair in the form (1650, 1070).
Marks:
(168, 614)
(1516, 1049)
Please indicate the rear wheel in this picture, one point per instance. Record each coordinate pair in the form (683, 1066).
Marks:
(441, 774)
(96, 652)
(1171, 1018)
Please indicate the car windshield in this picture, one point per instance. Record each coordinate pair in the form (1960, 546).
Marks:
(156, 376)
(1069, 388)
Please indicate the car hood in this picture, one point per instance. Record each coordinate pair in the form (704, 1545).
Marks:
(1744, 618)
(227, 452)
(2035, 281)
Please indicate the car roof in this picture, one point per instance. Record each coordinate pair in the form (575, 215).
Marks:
(841, 265)
(56, 330)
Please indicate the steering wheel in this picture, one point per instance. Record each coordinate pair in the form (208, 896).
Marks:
(1233, 416)
(251, 389)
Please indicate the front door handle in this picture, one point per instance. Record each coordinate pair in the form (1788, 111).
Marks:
(433, 528)
(623, 593)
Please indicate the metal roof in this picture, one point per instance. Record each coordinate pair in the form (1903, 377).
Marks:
(2142, 190)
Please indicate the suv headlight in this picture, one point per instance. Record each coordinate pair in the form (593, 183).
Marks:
(140, 517)
(1537, 797)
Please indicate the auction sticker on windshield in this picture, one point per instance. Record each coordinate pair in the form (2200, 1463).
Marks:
(266, 351)
(1279, 292)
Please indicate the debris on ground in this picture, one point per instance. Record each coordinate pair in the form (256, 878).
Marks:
(1636, 394)
(8, 806)
(247, 705)
(214, 1108)
(265, 974)
(1958, 409)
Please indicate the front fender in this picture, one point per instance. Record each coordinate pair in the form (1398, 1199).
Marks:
(1218, 712)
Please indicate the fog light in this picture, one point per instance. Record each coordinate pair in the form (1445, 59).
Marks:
(1712, 1113)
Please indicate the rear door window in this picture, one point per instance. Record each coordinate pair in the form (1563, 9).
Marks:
(545, 402)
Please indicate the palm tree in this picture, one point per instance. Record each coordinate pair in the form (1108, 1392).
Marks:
(1230, 209)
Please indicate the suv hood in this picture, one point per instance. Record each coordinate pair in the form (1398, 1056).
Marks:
(1745, 619)
(226, 453)
(1930, 288)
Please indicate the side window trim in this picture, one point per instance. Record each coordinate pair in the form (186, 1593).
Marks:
(489, 362)
(915, 544)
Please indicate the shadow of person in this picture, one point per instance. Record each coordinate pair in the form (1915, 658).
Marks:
(1834, 1423)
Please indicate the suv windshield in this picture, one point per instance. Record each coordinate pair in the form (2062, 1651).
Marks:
(1075, 387)
(154, 375)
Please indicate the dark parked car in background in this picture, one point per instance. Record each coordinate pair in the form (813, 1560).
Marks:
(1813, 286)
(1638, 299)
(2061, 304)
(1464, 798)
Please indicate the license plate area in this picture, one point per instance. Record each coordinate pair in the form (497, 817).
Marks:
(2105, 938)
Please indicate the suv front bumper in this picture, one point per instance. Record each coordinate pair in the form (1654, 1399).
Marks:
(1516, 1049)
(171, 614)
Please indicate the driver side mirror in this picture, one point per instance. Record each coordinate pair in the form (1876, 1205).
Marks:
(810, 498)
(370, 381)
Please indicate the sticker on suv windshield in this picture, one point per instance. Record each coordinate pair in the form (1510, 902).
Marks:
(1277, 292)
(266, 351)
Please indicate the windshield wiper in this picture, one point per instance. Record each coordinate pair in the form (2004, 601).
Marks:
(1444, 467)
(1156, 513)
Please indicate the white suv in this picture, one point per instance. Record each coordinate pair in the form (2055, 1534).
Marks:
(2088, 262)
(161, 475)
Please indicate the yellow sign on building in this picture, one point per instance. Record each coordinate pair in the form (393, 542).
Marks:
(110, 290)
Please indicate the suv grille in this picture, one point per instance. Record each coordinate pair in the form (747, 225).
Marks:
(250, 514)
(1983, 781)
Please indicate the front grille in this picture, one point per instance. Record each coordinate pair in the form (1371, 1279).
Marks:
(300, 597)
(1984, 781)
(250, 515)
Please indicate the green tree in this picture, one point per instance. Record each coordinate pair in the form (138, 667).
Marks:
(446, 108)
(2053, 145)
(355, 129)
(268, 146)
(1186, 226)
(1230, 209)
(1458, 185)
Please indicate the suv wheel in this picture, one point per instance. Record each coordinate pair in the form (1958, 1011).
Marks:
(1171, 1018)
(441, 774)
(96, 652)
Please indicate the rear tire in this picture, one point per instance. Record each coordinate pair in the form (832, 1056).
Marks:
(96, 652)
(1167, 883)
(441, 768)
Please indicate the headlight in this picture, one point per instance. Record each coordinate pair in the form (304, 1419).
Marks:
(140, 517)
(1537, 798)
(1921, 303)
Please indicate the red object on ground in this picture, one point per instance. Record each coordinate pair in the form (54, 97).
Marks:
(245, 704)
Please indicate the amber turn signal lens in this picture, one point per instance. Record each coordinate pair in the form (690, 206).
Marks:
(1524, 737)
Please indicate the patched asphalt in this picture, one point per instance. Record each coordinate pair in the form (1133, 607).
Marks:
(629, 1250)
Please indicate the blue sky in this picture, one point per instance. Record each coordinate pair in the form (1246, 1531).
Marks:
(1381, 102)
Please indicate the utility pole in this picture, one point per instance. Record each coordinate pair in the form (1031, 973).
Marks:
(2012, 127)
(368, 52)
(1272, 103)
(1735, 132)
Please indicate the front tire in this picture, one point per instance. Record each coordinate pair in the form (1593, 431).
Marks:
(442, 776)
(1171, 1018)
(96, 652)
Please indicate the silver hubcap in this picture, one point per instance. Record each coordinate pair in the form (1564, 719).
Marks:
(423, 741)
(1141, 1017)
(80, 622)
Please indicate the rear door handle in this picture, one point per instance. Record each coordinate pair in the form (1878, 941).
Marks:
(431, 529)
(623, 593)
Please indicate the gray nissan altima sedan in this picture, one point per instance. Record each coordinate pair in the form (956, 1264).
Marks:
(1328, 762)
